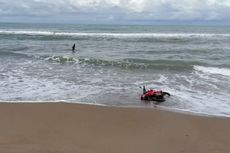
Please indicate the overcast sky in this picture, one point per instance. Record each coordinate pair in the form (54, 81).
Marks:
(115, 11)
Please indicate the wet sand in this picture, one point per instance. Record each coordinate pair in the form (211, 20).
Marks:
(77, 128)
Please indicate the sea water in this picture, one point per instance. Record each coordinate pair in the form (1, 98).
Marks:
(112, 62)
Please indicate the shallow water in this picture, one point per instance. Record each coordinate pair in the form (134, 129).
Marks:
(112, 62)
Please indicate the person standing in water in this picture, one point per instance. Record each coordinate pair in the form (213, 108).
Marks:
(144, 90)
(73, 48)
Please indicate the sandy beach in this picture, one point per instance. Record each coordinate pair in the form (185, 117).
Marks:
(71, 128)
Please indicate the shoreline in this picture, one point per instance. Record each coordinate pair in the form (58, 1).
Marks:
(154, 106)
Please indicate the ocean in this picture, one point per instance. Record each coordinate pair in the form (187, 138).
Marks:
(112, 62)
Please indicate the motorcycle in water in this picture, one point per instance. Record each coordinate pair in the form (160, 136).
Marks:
(154, 95)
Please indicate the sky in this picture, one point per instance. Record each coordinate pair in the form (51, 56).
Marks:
(115, 11)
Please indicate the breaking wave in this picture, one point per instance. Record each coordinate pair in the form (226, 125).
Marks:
(213, 70)
(127, 63)
(113, 35)
(61, 59)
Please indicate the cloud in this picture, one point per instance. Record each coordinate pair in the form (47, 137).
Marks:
(118, 9)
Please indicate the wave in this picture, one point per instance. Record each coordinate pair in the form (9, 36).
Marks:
(127, 63)
(61, 59)
(8, 53)
(113, 35)
(213, 70)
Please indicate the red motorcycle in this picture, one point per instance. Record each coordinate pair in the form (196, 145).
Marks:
(154, 95)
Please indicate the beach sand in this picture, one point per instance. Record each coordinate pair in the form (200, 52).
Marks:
(78, 128)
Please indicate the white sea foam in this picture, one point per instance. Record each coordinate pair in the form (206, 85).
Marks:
(35, 89)
(213, 70)
(116, 35)
(26, 32)
(194, 93)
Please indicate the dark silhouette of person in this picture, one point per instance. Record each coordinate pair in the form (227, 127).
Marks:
(73, 48)
(144, 90)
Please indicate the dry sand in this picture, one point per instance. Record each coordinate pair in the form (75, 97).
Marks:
(76, 128)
